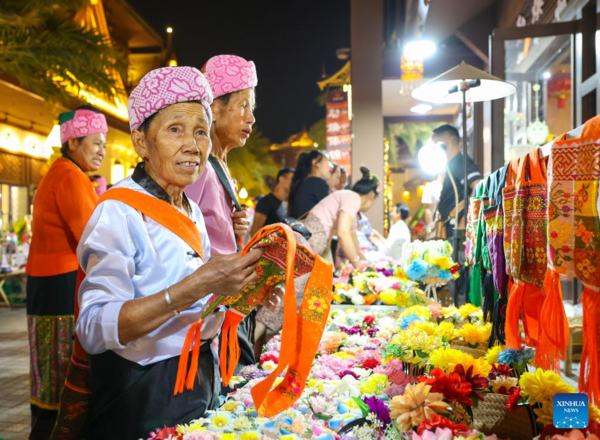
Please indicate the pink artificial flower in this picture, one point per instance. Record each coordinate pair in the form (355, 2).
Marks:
(394, 390)
(390, 367)
(575, 434)
(436, 310)
(439, 434)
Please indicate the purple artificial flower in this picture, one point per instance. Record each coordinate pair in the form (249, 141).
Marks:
(352, 330)
(380, 409)
(372, 331)
(349, 373)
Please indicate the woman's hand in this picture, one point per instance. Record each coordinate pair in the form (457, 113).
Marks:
(227, 274)
(241, 222)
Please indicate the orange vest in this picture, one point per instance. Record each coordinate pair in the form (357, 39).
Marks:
(63, 204)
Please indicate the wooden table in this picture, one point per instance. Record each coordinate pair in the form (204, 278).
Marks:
(3, 278)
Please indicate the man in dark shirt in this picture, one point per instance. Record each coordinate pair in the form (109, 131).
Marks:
(270, 209)
(448, 135)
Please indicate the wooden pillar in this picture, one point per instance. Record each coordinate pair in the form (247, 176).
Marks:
(366, 40)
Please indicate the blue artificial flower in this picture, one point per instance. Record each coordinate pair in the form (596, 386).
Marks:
(510, 356)
(409, 319)
(417, 270)
(445, 275)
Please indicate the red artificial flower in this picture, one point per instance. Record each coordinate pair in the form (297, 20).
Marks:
(514, 396)
(451, 386)
(268, 357)
(437, 421)
(371, 364)
(499, 370)
(369, 320)
(477, 382)
(167, 433)
(454, 269)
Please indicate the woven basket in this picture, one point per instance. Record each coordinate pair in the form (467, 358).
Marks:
(492, 417)
(466, 349)
(461, 414)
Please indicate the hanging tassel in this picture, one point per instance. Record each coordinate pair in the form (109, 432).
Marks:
(589, 377)
(230, 346)
(194, 335)
(515, 302)
(533, 300)
(489, 296)
(475, 286)
(555, 331)
(498, 335)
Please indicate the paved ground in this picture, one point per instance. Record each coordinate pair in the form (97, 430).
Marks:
(15, 419)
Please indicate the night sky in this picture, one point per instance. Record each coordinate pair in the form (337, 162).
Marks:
(289, 41)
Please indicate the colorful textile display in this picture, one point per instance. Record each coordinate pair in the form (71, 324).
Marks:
(282, 259)
(574, 245)
(525, 229)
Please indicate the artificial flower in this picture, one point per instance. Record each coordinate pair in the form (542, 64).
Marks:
(445, 331)
(416, 405)
(542, 385)
(468, 309)
(478, 383)
(371, 364)
(437, 421)
(421, 311)
(492, 354)
(514, 397)
(510, 356)
(394, 390)
(388, 297)
(502, 384)
(220, 420)
(375, 384)
(474, 334)
(269, 365)
(331, 343)
(250, 435)
(380, 409)
(499, 370)
(451, 386)
(436, 310)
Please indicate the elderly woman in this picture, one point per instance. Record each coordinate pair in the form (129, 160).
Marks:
(63, 204)
(232, 80)
(148, 269)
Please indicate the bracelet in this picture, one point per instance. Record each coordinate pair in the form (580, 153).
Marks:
(169, 302)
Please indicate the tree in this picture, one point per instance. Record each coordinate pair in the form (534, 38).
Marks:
(47, 52)
(252, 164)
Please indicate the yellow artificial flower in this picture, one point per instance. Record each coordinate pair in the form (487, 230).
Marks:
(467, 310)
(449, 312)
(242, 423)
(388, 297)
(399, 273)
(251, 435)
(220, 420)
(544, 414)
(446, 331)
(421, 311)
(593, 412)
(443, 262)
(343, 355)
(416, 405)
(402, 299)
(474, 334)
(542, 385)
(375, 384)
(425, 327)
(447, 358)
(269, 365)
(194, 426)
(492, 354)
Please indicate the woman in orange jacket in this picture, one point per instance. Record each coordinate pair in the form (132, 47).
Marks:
(63, 204)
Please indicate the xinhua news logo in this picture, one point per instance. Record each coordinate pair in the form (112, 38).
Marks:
(570, 410)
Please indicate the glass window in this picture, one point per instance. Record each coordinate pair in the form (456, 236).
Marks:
(540, 69)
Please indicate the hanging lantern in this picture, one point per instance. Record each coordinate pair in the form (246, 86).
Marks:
(412, 70)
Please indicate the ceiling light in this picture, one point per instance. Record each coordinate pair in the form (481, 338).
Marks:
(421, 108)
(547, 75)
(169, 30)
(419, 50)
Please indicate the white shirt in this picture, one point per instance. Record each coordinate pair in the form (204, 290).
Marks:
(399, 234)
(127, 255)
(431, 194)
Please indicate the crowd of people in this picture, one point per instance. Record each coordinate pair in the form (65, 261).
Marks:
(116, 281)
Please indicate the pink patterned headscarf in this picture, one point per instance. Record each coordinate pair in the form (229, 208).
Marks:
(81, 123)
(229, 73)
(166, 86)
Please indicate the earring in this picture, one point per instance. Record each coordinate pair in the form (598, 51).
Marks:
(145, 158)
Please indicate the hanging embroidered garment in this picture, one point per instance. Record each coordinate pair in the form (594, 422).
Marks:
(525, 229)
(474, 248)
(494, 284)
(574, 244)
(283, 259)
